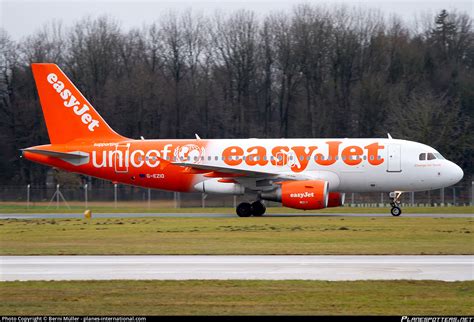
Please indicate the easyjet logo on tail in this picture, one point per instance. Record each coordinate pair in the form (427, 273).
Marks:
(71, 101)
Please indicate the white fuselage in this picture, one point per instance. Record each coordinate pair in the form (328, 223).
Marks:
(387, 165)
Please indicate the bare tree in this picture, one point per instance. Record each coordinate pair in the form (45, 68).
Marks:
(286, 69)
(235, 39)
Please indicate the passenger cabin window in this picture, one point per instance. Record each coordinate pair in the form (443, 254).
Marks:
(422, 156)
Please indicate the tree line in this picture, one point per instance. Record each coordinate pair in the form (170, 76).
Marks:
(311, 72)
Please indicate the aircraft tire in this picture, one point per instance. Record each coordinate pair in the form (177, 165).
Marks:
(396, 211)
(244, 209)
(258, 208)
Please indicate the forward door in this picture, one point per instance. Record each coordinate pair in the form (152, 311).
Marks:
(394, 158)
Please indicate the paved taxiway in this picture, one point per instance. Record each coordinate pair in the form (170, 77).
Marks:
(333, 268)
(217, 215)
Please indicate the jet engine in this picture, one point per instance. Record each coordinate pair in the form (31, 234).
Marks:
(305, 194)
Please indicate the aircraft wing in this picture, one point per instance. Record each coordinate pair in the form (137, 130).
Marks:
(228, 171)
(259, 180)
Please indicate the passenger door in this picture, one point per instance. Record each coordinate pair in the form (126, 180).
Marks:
(394, 158)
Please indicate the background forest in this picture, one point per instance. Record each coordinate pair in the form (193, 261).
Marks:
(314, 72)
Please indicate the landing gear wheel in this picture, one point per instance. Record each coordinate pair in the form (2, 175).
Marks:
(244, 209)
(395, 203)
(258, 208)
(396, 211)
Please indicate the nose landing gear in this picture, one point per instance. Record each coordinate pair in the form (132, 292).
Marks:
(255, 209)
(395, 203)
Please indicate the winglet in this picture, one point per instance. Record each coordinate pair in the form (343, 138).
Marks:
(389, 136)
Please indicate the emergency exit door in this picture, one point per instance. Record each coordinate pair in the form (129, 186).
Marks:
(121, 158)
(394, 158)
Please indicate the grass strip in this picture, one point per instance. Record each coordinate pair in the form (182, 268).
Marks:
(237, 298)
(238, 236)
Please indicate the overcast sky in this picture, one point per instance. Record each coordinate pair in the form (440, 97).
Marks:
(21, 17)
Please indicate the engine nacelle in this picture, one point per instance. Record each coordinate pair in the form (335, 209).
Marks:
(224, 186)
(306, 194)
(336, 199)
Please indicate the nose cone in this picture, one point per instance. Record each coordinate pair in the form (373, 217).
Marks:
(456, 173)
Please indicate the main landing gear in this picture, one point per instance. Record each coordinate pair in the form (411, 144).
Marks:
(246, 209)
(395, 203)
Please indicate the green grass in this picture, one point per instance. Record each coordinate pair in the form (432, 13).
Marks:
(136, 207)
(277, 235)
(237, 298)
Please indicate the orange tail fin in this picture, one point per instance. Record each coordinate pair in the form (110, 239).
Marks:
(68, 114)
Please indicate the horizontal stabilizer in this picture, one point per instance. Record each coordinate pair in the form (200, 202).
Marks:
(75, 157)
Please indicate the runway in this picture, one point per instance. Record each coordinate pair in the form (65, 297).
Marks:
(331, 268)
(219, 215)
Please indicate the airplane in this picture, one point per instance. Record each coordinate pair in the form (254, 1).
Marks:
(306, 174)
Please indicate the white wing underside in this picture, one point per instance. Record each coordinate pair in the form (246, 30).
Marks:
(262, 180)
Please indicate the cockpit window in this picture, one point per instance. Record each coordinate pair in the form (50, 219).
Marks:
(431, 156)
(422, 156)
(439, 156)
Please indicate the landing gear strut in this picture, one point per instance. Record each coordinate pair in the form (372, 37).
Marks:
(246, 209)
(395, 203)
